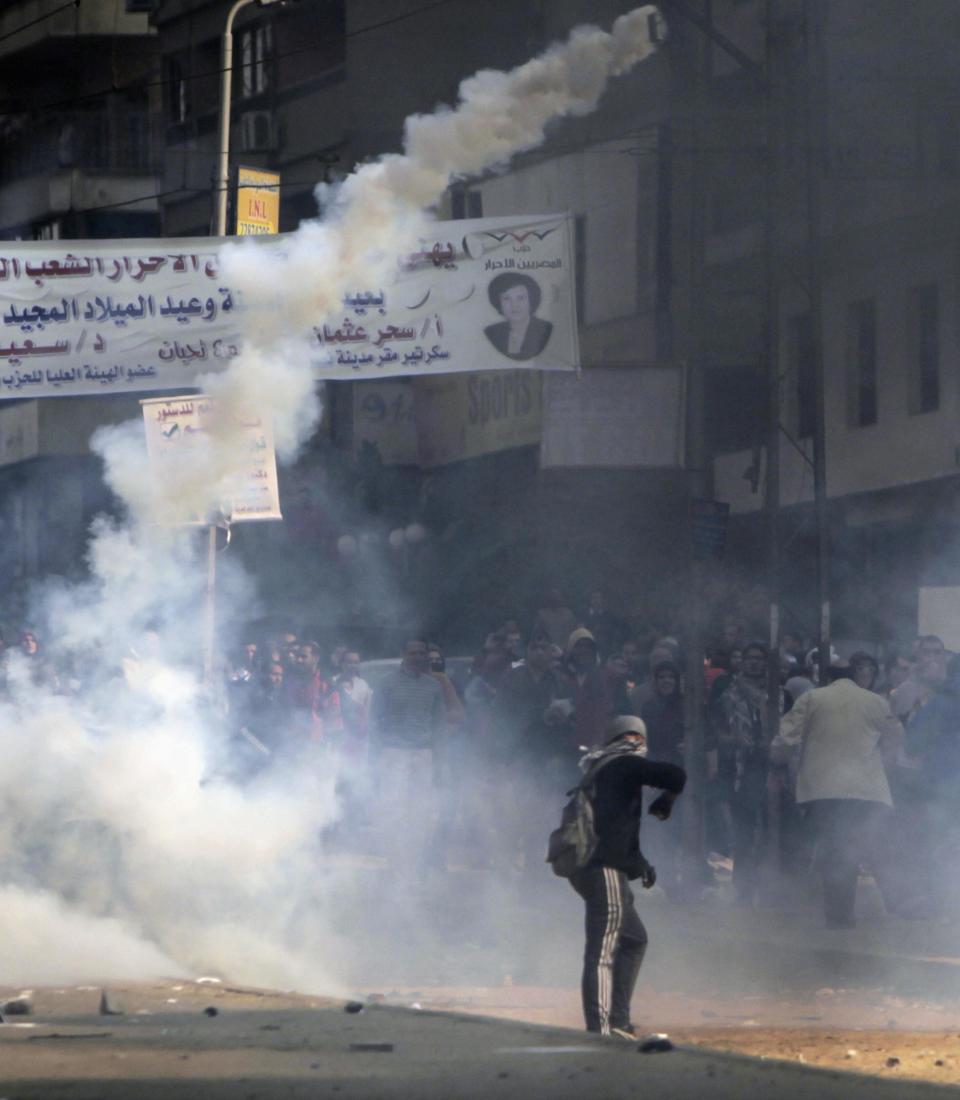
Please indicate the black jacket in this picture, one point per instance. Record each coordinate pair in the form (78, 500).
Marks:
(618, 805)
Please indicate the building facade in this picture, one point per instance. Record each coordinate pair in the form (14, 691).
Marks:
(78, 159)
(111, 129)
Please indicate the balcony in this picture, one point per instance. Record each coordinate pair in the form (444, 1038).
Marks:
(29, 25)
(111, 142)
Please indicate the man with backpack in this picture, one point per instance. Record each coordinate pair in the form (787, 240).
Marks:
(598, 848)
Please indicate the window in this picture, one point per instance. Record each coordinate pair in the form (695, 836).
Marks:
(802, 366)
(938, 138)
(923, 354)
(465, 203)
(256, 56)
(861, 356)
(177, 89)
(47, 231)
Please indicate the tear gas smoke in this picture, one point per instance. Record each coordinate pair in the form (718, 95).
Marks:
(121, 850)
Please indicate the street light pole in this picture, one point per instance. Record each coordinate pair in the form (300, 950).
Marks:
(226, 92)
(220, 230)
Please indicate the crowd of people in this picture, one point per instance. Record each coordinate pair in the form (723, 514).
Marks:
(468, 760)
(485, 750)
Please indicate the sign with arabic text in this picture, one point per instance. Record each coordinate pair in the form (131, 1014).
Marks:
(177, 432)
(85, 317)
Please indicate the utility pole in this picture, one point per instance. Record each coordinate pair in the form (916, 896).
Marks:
(700, 16)
(771, 358)
(816, 147)
(694, 461)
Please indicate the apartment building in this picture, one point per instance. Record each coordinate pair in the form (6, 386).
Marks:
(78, 159)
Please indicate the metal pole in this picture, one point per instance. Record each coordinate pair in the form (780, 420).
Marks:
(226, 91)
(695, 458)
(223, 184)
(210, 608)
(771, 349)
(814, 168)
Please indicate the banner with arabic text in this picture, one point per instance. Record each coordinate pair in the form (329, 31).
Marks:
(82, 317)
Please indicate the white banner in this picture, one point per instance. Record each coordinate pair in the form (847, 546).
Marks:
(86, 317)
(613, 416)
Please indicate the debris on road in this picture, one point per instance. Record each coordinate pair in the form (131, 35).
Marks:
(658, 1043)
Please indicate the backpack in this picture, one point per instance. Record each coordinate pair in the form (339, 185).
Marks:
(572, 844)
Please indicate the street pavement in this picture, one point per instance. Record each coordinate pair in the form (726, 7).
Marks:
(381, 1052)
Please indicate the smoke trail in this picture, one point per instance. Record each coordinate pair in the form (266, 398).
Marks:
(110, 799)
(374, 216)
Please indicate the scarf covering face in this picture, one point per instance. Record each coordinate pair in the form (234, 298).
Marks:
(596, 758)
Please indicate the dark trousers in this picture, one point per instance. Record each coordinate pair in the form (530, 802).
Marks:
(849, 832)
(616, 944)
(749, 836)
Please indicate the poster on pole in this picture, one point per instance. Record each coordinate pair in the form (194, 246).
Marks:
(83, 317)
(177, 431)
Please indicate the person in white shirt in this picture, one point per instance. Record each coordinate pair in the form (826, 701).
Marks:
(843, 733)
(353, 743)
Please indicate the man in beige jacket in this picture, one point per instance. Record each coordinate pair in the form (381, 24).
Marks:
(842, 734)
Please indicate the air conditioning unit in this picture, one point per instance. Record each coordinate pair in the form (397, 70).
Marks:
(258, 132)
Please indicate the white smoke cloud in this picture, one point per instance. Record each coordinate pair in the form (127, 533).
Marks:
(120, 849)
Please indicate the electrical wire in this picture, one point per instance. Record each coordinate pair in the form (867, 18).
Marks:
(39, 19)
(139, 85)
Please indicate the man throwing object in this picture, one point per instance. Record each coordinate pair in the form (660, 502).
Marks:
(616, 937)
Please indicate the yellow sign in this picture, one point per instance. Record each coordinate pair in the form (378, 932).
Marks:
(258, 202)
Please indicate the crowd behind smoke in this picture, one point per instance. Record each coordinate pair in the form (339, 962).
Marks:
(118, 817)
(174, 826)
(511, 723)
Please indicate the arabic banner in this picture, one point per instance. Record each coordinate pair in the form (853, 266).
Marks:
(85, 317)
(176, 430)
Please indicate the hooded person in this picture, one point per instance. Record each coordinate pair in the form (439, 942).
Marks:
(663, 714)
(590, 689)
(616, 940)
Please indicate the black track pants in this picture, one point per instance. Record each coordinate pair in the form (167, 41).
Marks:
(616, 944)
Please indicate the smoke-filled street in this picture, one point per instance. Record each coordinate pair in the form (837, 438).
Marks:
(478, 494)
